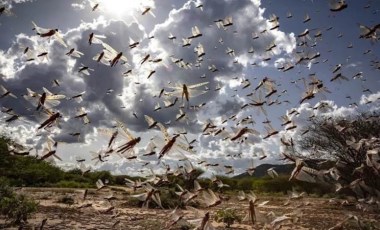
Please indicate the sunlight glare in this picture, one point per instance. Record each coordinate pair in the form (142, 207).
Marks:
(123, 7)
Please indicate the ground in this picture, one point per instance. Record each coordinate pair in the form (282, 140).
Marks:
(313, 213)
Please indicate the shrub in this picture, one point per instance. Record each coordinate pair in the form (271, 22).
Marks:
(16, 208)
(342, 144)
(66, 200)
(169, 199)
(245, 184)
(73, 184)
(132, 202)
(227, 216)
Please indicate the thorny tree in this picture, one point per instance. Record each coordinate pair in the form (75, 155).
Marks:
(342, 151)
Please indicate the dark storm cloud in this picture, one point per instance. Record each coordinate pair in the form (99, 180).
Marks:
(247, 18)
(104, 108)
(101, 106)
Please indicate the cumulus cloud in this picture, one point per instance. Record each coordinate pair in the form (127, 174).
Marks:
(371, 98)
(112, 95)
(248, 19)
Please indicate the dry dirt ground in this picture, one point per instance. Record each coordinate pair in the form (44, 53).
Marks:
(313, 213)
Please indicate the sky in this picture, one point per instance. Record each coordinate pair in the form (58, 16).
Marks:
(237, 52)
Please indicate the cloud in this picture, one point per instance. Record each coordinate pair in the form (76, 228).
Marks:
(39, 74)
(371, 98)
(10, 2)
(78, 6)
(110, 95)
(247, 17)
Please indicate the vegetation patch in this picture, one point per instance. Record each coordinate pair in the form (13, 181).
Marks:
(16, 208)
(228, 216)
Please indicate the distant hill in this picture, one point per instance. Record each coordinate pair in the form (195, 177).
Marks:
(261, 170)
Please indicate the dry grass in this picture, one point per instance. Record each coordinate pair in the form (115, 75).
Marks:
(318, 214)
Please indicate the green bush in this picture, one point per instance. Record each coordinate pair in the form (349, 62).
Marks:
(28, 170)
(14, 207)
(102, 175)
(5, 190)
(245, 184)
(73, 184)
(227, 216)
